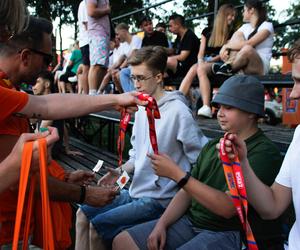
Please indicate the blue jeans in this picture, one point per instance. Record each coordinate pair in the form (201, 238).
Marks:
(122, 213)
(184, 236)
(125, 80)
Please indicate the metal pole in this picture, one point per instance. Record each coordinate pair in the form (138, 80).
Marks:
(216, 8)
(140, 10)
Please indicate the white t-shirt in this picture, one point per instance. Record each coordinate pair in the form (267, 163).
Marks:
(264, 49)
(82, 17)
(136, 43)
(289, 176)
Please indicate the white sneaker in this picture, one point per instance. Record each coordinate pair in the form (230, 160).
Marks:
(73, 78)
(205, 111)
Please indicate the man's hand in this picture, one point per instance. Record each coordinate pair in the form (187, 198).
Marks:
(80, 177)
(51, 137)
(99, 196)
(110, 178)
(129, 101)
(157, 238)
(224, 53)
(239, 144)
(164, 166)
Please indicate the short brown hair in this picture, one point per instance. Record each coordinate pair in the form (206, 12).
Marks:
(155, 57)
(294, 51)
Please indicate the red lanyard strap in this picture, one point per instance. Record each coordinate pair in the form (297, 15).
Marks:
(236, 184)
(152, 113)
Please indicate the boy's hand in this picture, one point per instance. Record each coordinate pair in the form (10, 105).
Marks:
(164, 166)
(110, 178)
(240, 146)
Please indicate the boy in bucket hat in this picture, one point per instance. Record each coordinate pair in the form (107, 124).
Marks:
(202, 215)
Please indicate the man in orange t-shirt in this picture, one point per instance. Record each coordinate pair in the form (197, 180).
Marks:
(22, 58)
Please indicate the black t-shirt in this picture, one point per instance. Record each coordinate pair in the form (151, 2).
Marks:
(189, 42)
(212, 51)
(156, 39)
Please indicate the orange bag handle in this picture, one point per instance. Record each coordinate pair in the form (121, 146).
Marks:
(48, 238)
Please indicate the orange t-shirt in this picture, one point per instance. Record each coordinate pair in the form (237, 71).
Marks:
(12, 101)
(13, 125)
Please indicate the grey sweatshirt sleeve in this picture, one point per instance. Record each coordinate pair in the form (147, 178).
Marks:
(191, 136)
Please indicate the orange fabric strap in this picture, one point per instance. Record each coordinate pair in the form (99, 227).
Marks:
(48, 239)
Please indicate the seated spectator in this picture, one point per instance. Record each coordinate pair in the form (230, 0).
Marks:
(250, 48)
(186, 46)
(252, 43)
(271, 202)
(212, 40)
(202, 215)
(75, 60)
(129, 44)
(151, 38)
(44, 86)
(115, 60)
(162, 27)
(177, 134)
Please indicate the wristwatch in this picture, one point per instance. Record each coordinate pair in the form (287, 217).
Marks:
(184, 180)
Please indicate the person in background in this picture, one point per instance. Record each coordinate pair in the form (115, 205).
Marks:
(212, 40)
(99, 36)
(73, 64)
(186, 46)
(83, 70)
(44, 85)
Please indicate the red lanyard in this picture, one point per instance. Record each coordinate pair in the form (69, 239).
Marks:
(152, 113)
(236, 184)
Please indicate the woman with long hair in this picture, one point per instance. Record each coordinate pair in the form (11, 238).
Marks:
(249, 51)
(212, 40)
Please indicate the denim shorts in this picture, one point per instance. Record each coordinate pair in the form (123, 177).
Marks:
(122, 213)
(184, 236)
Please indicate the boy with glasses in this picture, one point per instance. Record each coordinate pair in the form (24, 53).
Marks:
(178, 135)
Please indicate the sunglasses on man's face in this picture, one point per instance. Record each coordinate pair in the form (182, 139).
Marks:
(46, 57)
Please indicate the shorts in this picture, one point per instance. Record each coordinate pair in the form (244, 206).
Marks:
(64, 77)
(85, 51)
(99, 50)
(266, 64)
(184, 236)
(122, 213)
(181, 70)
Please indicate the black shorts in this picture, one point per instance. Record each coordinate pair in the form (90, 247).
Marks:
(66, 75)
(85, 51)
(181, 70)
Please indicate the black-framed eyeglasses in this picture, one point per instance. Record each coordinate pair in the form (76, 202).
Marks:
(46, 57)
(140, 78)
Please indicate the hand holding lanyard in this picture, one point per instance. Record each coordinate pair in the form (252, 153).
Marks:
(236, 184)
(152, 113)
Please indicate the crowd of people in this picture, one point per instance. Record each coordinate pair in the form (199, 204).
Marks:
(178, 198)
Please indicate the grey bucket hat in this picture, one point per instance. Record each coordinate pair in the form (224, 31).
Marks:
(243, 92)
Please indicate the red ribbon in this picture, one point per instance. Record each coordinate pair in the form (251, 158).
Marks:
(236, 184)
(152, 113)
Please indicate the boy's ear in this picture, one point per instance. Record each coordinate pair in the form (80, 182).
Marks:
(47, 83)
(160, 77)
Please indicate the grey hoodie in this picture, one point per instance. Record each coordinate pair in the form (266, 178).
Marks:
(178, 136)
